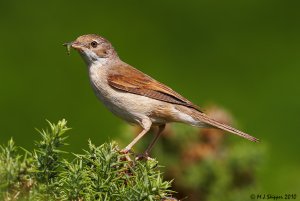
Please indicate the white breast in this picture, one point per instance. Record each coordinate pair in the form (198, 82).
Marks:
(130, 107)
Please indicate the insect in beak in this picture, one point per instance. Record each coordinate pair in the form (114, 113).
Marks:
(68, 46)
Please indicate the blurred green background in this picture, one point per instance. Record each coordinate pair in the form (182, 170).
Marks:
(242, 55)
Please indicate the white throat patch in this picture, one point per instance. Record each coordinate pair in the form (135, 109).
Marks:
(93, 59)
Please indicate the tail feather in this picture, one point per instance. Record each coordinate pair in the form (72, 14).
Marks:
(203, 118)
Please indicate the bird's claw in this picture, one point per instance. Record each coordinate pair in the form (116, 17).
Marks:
(143, 156)
(125, 153)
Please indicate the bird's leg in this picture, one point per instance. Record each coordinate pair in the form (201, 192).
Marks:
(146, 124)
(149, 148)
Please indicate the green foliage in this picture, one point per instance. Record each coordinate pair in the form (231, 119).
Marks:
(100, 173)
(47, 155)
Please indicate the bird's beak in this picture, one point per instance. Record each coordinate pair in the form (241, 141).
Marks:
(73, 44)
(77, 45)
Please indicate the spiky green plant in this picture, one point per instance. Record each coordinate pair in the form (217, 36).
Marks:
(99, 173)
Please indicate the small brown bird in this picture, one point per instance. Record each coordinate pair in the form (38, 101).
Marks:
(135, 96)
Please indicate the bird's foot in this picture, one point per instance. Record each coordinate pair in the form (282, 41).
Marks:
(125, 152)
(143, 156)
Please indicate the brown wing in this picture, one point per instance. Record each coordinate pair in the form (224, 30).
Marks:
(126, 78)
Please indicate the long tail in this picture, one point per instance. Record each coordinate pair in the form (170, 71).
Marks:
(203, 118)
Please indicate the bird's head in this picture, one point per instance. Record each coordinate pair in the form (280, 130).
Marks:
(93, 48)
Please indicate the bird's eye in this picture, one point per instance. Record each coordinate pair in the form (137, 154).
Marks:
(94, 44)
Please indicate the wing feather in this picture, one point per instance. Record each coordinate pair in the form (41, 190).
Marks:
(126, 78)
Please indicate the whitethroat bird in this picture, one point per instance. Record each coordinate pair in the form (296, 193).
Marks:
(136, 97)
